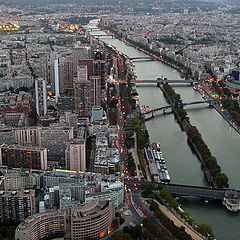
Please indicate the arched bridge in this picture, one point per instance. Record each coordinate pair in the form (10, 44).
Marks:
(184, 104)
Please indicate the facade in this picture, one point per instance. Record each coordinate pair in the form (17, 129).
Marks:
(15, 119)
(99, 68)
(67, 75)
(15, 206)
(82, 92)
(77, 155)
(56, 78)
(55, 139)
(86, 220)
(16, 82)
(79, 53)
(41, 225)
(16, 156)
(41, 97)
(95, 90)
(20, 180)
(27, 136)
(91, 219)
(113, 191)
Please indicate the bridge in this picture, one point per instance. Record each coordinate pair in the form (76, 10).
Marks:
(92, 29)
(159, 81)
(103, 35)
(143, 59)
(184, 104)
(194, 191)
(230, 198)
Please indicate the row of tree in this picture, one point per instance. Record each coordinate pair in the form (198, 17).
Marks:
(129, 140)
(178, 232)
(165, 197)
(142, 140)
(148, 231)
(166, 59)
(203, 228)
(219, 178)
(131, 165)
(176, 100)
(231, 105)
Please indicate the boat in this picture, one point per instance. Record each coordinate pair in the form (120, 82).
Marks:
(160, 164)
(231, 200)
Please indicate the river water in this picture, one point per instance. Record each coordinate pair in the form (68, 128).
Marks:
(183, 165)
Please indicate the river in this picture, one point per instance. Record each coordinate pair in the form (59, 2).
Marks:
(183, 165)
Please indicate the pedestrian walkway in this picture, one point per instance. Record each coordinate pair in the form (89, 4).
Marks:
(177, 221)
(136, 160)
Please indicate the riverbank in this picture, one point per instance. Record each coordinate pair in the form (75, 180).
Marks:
(212, 170)
(180, 67)
(178, 221)
(229, 119)
(225, 114)
(183, 163)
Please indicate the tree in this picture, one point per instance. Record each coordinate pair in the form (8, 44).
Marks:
(221, 180)
(120, 235)
(193, 132)
(113, 103)
(205, 229)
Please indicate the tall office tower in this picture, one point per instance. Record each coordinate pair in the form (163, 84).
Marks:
(41, 97)
(56, 78)
(82, 94)
(95, 82)
(76, 160)
(99, 65)
(15, 206)
(66, 82)
(79, 53)
(16, 156)
(89, 64)
(46, 63)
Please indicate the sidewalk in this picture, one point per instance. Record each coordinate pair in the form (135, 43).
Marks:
(135, 157)
(177, 222)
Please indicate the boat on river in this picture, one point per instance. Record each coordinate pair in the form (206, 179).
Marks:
(157, 165)
(231, 200)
